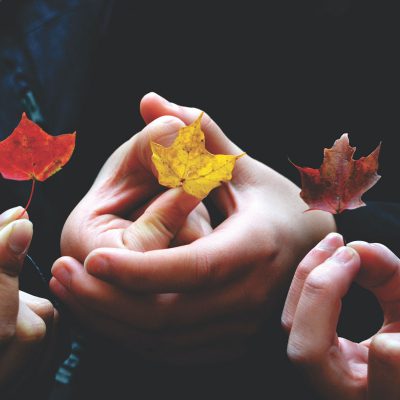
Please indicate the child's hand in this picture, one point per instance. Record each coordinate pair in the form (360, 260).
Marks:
(27, 323)
(338, 368)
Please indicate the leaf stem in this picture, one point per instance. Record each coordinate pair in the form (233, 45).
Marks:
(30, 198)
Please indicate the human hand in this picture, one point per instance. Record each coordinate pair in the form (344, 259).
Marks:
(336, 367)
(27, 323)
(205, 299)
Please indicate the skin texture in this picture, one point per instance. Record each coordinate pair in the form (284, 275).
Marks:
(28, 324)
(335, 366)
(191, 292)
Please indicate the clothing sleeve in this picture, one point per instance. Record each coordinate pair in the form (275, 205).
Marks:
(377, 222)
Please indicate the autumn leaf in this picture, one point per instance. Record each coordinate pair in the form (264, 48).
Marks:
(187, 163)
(340, 181)
(30, 153)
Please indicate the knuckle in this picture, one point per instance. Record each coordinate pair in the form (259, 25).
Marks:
(130, 239)
(317, 283)
(300, 356)
(203, 269)
(307, 265)
(302, 271)
(161, 225)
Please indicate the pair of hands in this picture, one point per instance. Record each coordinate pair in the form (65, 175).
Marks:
(169, 285)
(336, 367)
(28, 324)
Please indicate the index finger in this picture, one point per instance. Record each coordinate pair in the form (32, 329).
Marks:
(316, 256)
(208, 261)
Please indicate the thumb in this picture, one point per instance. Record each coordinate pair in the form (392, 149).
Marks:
(153, 106)
(161, 221)
(384, 367)
(15, 238)
(133, 158)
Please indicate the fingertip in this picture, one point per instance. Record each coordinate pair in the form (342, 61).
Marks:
(64, 270)
(15, 239)
(20, 236)
(58, 289)
(330, 242)
(96, 263)
(12, 214)
(153, 105)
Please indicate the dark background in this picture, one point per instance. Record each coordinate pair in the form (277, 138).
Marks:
(282, 79)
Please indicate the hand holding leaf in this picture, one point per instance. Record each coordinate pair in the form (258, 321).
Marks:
(187, 163)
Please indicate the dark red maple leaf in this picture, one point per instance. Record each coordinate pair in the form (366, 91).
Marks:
(30, 153)
(340, 181)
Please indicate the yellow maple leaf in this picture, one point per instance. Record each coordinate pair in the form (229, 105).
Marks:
(187, 163)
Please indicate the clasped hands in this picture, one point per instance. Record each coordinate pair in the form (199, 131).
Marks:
(146, 268)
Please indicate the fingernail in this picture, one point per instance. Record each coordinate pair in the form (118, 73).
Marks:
(330, 242)
(62, 274)
(343, 254)
(96, 265)
(9, 215)
(20, 236)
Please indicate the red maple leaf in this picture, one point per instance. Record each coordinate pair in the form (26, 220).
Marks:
(30, 153)
(340, 181)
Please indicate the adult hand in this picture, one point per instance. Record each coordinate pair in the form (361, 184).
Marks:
(336, 367)
(27, 323)
(202, 300)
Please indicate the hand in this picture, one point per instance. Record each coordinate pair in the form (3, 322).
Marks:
(27, 323)
(336, 367)
(203, 300)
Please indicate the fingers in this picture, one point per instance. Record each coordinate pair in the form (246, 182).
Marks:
(159, 311)
(384, 367)
(154, 106)
(380, 271)
(314, 325)
(26, 343)
(14, 242)
(315, 257)
(160, 222)
(208, 262)
(15, 239)
(155, 340)
(135, 154)
(10, 215)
